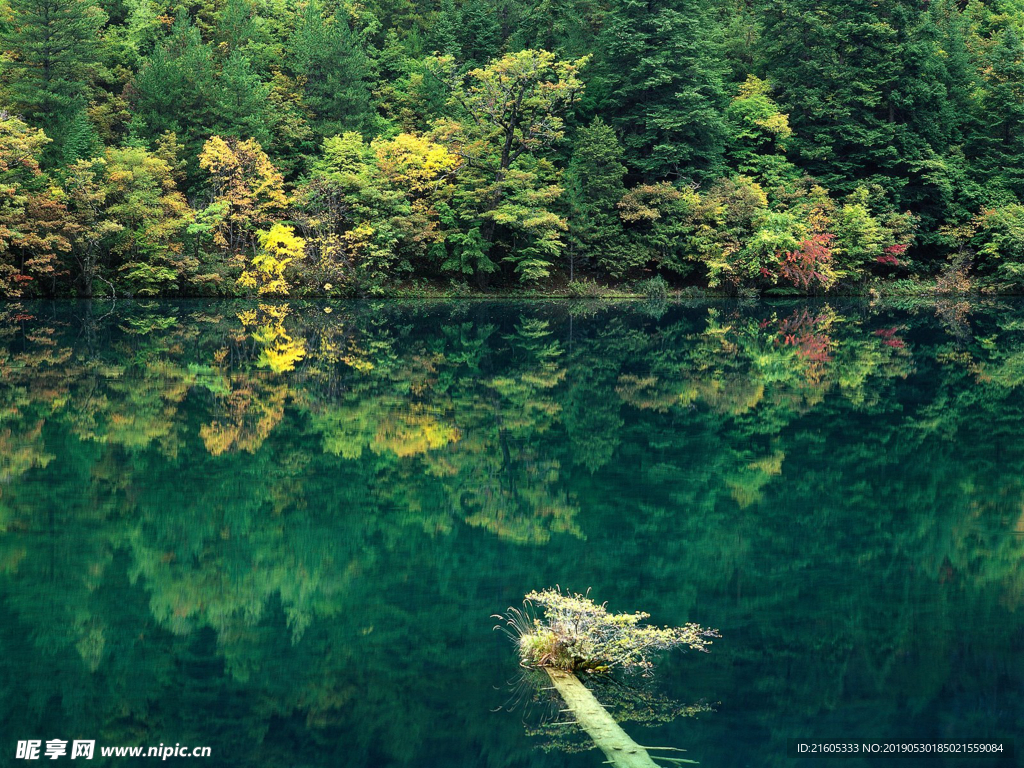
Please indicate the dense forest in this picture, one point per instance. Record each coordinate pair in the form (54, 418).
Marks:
(262, 147)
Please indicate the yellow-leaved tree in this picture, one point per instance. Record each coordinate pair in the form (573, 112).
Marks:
(248, 191)
(279, 247)
(423, 171)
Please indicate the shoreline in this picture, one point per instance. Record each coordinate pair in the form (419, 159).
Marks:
(921, 290)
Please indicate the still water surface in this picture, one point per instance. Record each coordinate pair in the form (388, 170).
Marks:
(280, 531)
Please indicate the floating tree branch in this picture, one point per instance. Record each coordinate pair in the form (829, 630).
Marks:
(578, 635)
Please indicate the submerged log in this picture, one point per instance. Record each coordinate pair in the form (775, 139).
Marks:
(618, 747)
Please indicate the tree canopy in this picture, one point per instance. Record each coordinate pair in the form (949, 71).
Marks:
(788, 147)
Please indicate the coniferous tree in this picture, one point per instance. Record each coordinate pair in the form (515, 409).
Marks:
(480, 32)
(56, 51)
(999, 140)
(659, 83)
(329, 60)
(567, 28)
(834, 66)
(176, 90)
(244, 101)
(938, 97)
(887, 134)
(861, 86)
(593, 187)
(237, 24)
(446, 30)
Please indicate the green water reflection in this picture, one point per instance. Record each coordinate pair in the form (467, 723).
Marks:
(280, 531)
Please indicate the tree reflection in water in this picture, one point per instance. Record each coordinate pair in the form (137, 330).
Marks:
(274, 530)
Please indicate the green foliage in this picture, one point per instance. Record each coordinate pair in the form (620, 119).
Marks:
(999, 240)
(658, 219)
(593, 188)
(175, 90)
(659, 82)
(54, 55)
(147, 279)
(866, 233)
(839, 67)
(350, 217)
(143, 200)
(243, 109)
(510, 114)
(31, 233)
(797, 145)
(999, 140)
(331, 65)
(653, 287)
(758, 135)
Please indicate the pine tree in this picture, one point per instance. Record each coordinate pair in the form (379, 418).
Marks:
(237, 24)
(659, 84)
(567, 28)
(593, 189)
(176, 91)
(56, 49)
(244, 100)
(328, 58)
(863, 87)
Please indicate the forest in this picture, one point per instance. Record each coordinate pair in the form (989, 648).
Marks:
(361, 148)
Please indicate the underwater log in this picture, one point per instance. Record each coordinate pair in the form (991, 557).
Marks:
(618, 747)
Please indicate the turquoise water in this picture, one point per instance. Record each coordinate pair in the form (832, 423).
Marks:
(281, 532)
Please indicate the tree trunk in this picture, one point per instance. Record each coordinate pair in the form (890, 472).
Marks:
(621, 751)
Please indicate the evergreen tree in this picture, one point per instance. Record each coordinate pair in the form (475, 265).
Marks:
(593, 189)
(862, 87)
(180, 90)
(244, 101)
(999, 139)
(731, 140)
(567, 28)
(55, 50)
(237, 24)
(659, 84)
(940, 83)
(334, 70)
(480, 32)
(176, 90)
(446, 31)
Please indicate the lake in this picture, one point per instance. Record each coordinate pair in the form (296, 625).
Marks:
(281, 530)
